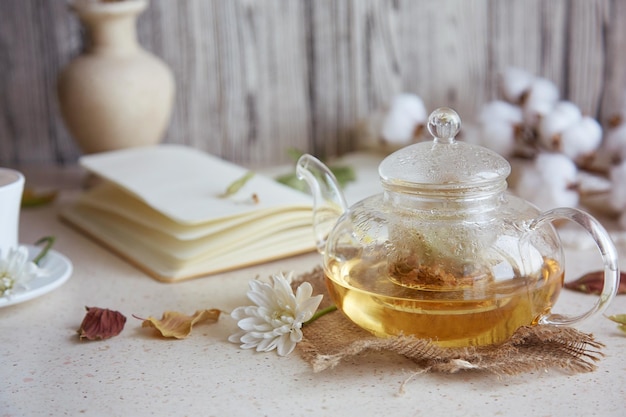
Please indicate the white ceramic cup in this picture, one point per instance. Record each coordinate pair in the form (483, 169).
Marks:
(11, 188)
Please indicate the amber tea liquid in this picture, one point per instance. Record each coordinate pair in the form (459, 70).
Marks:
(366, 294)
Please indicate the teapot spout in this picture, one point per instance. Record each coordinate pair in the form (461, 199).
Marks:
(328, 200)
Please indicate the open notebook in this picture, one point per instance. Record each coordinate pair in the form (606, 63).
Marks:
(162, 208)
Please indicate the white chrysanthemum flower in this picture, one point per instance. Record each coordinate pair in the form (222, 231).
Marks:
(16, 271)
(275, 322)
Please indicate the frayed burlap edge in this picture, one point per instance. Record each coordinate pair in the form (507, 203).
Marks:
(333, 338)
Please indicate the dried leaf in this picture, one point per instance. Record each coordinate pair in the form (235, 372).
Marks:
(101, 323)
(178, 325)
(593, 282)
(620, 319)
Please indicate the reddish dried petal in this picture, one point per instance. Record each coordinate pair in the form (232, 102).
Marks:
(593, 282)
(101, 323)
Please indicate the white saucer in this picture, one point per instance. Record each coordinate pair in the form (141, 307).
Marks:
(57, 270)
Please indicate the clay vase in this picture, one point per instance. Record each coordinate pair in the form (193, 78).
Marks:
(116, 94)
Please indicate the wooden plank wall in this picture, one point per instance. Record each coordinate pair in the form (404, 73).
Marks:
(257, 77)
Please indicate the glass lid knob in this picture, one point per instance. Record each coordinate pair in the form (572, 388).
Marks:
(444, 124)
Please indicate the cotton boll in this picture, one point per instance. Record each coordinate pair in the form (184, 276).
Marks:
(535, 187)
(557, 169)
(544, 196)
(592, 183)
(541, 98)
(499, 123)
(581, 139)
(530, 180)
(615, 143)
(500, 111)
(499, 137)
(515, 83)
(406, 113)
(550, 199)
(547, 183)
(617, 176)
(551, 126)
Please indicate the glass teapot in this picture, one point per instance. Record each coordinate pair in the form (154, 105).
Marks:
(445, 253)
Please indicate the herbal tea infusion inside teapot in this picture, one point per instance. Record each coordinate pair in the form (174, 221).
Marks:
(444, 253)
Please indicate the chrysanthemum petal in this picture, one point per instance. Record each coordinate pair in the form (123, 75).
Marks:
(250, 338)
(303, 292)
(239, 313)
(254, 323)
(296, 335)
(267, 345)
(311, 304)
(285, 345)
(261, 294)
(284, 292)
(236, 337)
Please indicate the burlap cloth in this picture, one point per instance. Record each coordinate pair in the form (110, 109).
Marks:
(333, 338)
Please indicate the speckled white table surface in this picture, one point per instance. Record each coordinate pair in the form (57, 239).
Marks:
(46, 370)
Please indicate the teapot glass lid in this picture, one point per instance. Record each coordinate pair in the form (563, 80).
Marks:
(443, 162)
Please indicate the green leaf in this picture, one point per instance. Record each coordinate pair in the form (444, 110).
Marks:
(344, 175)
(620, 319)
(291, 180)
(49, 241)
(238, 184)
(32, 198)
(294, 153)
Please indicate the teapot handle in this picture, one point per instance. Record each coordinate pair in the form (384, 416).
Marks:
(607, 251)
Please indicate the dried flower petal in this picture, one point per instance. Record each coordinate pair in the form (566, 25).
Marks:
(593, 282)
(178, 325)
(101, 323)
(620, 319)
